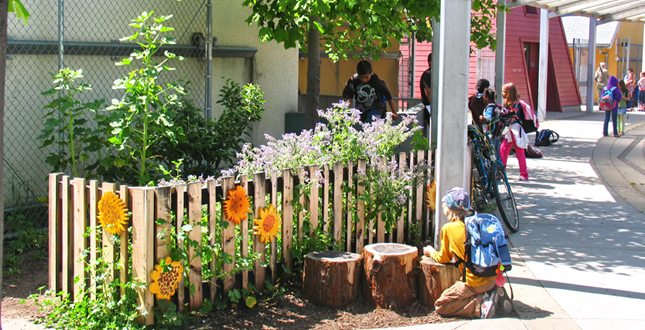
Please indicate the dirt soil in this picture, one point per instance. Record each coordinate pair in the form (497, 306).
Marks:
(293, 312)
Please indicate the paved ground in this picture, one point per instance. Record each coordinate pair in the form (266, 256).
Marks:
(579, 258)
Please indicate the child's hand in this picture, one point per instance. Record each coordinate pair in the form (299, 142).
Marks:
(428, 250)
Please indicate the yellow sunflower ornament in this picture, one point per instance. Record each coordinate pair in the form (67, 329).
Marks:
(237, 205)
(431, 195)
(268, 225)
(113, 214)
(165, 278)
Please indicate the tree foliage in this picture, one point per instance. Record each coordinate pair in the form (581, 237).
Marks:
(351, 25)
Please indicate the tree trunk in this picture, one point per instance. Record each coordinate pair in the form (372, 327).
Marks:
(332, 278)
(4, 7)
(313, 75)
(434, 278)
(390, 270)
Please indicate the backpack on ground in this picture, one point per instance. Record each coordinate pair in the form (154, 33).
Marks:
(530, 123)
(533, 152)
(486, 246)
(607, 99)
(546, 137)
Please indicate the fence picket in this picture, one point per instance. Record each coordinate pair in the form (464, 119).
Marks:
(211, 186)
(67, 236)
(303, 204)
(419, 197)
(163, 206)
(245, 235)
(94, 243)
(274, 243)
(195, 235)
(411, 209)
(400, 224)
(349, 206)
(181, 207)
(143, 246)
(338, 202)
(55, 231)
(124, 254)
(228, 236)
(287, 219)
(109, 250)
(360, 207)
(79, 241)
(313, 199)
(325, 208)
(259, 182)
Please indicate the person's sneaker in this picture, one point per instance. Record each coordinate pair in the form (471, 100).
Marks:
(524, 178)
(489, 304)
(505, 304)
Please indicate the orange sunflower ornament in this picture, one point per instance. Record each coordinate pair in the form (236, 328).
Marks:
(237, 205)
(431, 195)
(113, 214)
(268, 225)
(165, 278)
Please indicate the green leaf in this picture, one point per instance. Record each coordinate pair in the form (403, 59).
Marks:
(20, 10)
(250, 301)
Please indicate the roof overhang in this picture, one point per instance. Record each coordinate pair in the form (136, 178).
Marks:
(603, 10)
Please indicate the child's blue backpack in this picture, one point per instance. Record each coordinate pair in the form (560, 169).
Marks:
(486, 246)
(607, 99)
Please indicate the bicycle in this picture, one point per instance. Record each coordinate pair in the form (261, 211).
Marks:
(489, 179)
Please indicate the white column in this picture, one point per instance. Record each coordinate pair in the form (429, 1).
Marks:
(643, 50)
(500, 54)
(591, 67)
(543, 70)
(452, 102)
(434, 103)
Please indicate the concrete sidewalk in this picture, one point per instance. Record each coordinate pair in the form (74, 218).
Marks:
(579, 256)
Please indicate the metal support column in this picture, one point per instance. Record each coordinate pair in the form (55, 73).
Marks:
(61, 30)
(208, 92)
(500, 54)
(591, 66)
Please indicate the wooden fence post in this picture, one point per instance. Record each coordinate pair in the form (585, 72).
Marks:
(66, 219)
(124, 254)
(94, 237)
(419, 198)
(244, 182)
(400, 224)
(274, 243)
(287, 219)
(163, 206)
(228, 236)
(303, 204)
(411, 209)
(79, 239)
(258, 247)
(211, 185)
(181, 212)
(338, 202)
(109, 249)
(313, 199)
(195, 217)
(325, 208)
(55, 232)
(349, 207)
(360, 208)
(143, 247)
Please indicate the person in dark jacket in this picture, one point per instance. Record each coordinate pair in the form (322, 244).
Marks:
(476, 103)
(370, 92)
(613, 82)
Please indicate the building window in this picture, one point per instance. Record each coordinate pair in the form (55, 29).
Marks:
(530, 11)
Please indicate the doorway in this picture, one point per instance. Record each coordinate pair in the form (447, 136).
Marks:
(532, 57)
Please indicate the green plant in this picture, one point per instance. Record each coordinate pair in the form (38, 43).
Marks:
(26, 238)
(141, 117)
(108, 309)
(66, 126)
(208, 144)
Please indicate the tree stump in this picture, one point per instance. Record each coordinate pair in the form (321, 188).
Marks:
(434, 278)
(332, 278)
(390, 272)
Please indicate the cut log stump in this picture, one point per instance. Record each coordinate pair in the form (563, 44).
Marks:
(390, 270)
(332, 278)
(434, 278)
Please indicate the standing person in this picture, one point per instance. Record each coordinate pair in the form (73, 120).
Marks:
(371, 92)
(476, 103)
(474, 298)
(630, 83)
(601, 78)
(613, 113)
(491, 107)
(426, 89)
(516, 137)
(641, 92)
(622, 107)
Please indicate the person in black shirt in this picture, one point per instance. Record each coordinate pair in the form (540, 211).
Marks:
(370, 92)
(426, 89)
(476, 103)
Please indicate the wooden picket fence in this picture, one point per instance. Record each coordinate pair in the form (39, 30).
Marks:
(73, 210)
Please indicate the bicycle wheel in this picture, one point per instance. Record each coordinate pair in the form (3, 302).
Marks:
(478, 195)
(505, 199)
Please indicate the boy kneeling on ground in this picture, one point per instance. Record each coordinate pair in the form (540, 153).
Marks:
(477, 297)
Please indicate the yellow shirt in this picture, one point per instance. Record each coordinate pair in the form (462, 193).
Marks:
(453, 238)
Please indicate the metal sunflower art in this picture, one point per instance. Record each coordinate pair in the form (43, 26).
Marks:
(431, 195)
(165, 278)
(268, 225)
(113, 214)
(237, 205)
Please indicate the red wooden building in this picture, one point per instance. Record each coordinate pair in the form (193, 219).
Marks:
(521, 62)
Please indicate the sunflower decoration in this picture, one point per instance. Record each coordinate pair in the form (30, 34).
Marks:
(267, 226)
(113, 214)
(431, 195)
(165, 278)
(237, 205)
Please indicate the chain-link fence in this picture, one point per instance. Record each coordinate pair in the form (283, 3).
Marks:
(89, 32)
